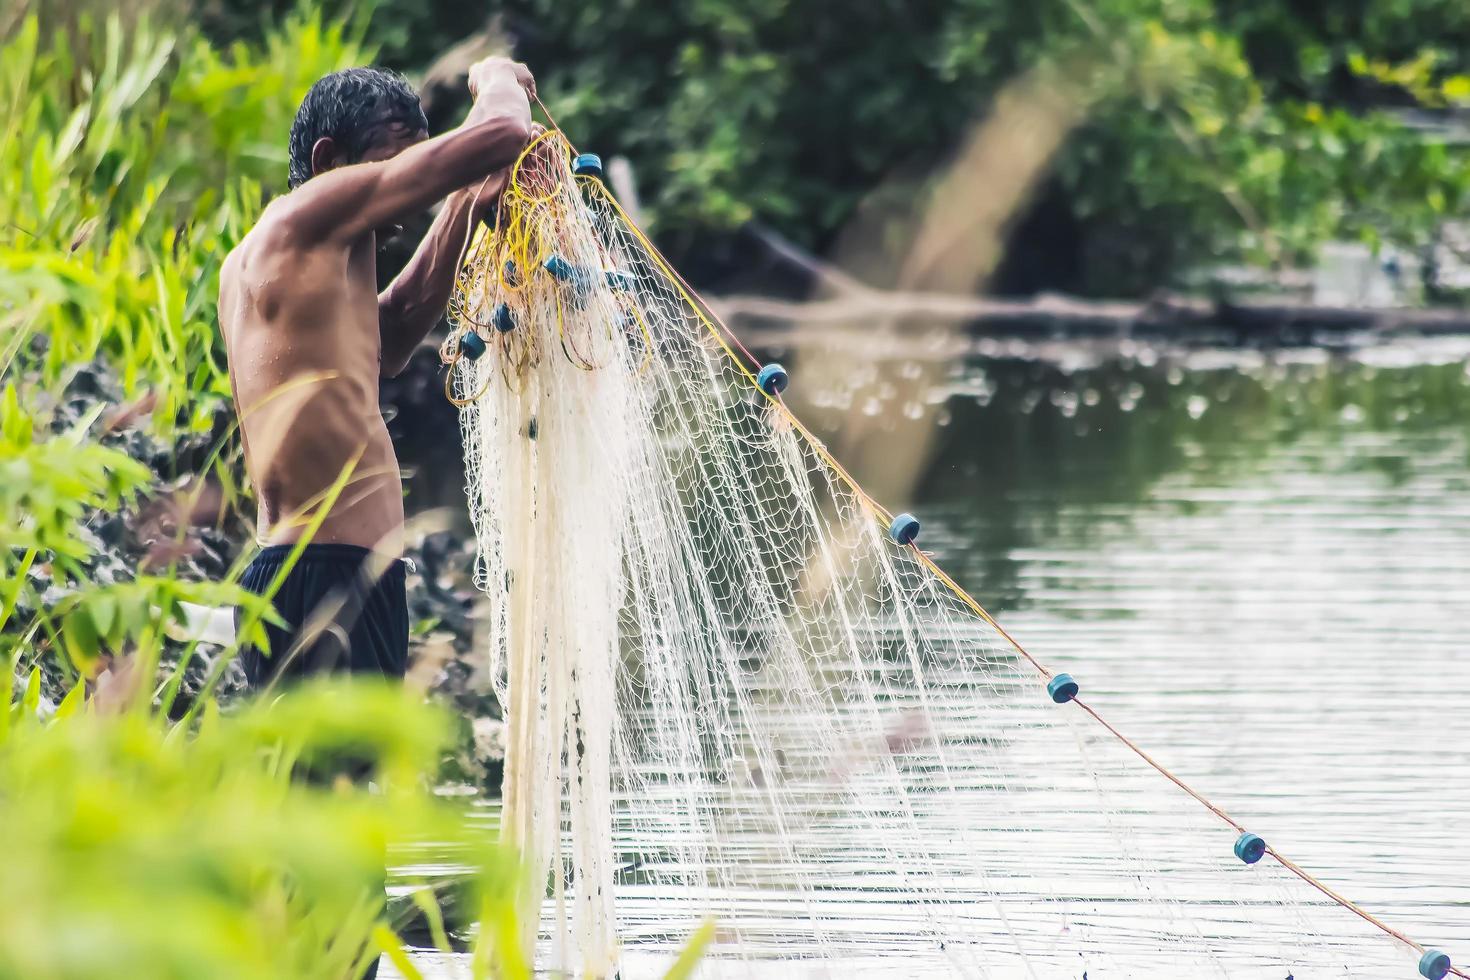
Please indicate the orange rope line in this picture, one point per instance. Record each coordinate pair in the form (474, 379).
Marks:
(1281, 859)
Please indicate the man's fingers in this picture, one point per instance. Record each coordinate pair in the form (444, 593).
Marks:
(495, 64)
(527, 80)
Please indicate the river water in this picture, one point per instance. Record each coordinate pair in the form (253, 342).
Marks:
(1262, 566)
(1258, 563)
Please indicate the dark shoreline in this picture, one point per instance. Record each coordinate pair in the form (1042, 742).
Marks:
(1165, 318)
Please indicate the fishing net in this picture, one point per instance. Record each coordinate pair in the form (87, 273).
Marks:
(734, 689)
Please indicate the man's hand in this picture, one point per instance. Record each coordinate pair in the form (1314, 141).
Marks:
(485, 73)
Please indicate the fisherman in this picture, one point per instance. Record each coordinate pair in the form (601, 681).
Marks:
(308, 337)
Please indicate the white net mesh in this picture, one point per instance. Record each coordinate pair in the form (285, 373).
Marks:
(729, 694)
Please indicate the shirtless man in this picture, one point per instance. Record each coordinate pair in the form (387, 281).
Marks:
(308, 336)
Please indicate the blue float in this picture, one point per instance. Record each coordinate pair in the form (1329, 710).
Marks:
(904, 529)
(578, 280)
(588, 165)
(508, 274)
(1250, 848)
(772, 379)
(502, 318)
(471, 345)
(1434, 964)
(1062, 688)
(563, 271)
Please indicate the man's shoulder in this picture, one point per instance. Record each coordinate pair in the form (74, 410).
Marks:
(243, 250)
(271, 232)
(272, 239)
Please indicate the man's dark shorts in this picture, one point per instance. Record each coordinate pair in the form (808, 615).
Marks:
(366, 631)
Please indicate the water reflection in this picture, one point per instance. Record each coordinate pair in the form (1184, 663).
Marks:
(1025, 432)
(1262, 566)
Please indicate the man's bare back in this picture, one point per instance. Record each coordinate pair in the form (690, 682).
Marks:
(307, 334)
(301, 328)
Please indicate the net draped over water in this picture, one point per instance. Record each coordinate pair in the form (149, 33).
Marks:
(730, 694)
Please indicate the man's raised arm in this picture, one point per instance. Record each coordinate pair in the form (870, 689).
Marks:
(347, 202)
(413, 303)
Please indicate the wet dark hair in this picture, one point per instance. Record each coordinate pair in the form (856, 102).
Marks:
(351, 106)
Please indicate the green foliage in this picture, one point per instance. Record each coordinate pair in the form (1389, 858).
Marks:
(132, 852)
(1238, 156)
(1250, 131)
(407, 36)
(132, 160)
(49, 489)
